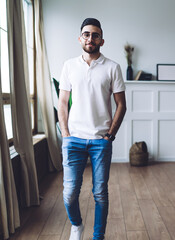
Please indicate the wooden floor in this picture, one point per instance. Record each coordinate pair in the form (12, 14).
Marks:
(142, 206)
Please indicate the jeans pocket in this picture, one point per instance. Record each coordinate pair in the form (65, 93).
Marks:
(69, 142)
(66, 141)
(106, 141)
(66, 138)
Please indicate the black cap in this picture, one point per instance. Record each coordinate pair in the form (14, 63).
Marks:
(91, 21)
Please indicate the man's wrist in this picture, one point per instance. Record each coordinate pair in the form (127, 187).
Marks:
(110, 136)
(65, 135)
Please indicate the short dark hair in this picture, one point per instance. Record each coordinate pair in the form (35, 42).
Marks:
(91, 21)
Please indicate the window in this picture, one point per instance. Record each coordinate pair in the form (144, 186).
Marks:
(5, 68)
(4, 63)
(29, 27)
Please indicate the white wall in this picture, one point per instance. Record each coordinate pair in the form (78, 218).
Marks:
(148, 25)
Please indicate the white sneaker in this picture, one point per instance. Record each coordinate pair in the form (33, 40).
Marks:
(76, 232)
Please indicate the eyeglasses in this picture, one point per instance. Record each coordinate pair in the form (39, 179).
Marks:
(95, 36)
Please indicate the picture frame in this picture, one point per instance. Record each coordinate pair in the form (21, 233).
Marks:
(165, 72)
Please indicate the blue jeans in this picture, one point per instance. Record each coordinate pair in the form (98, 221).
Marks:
(75, 154)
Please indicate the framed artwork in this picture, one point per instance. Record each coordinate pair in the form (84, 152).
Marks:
(166, 72)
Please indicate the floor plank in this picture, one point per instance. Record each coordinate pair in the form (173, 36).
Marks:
(169, 169)
(124, 178)
(115, 206)
(49, 237)
(132, 214)
(56, 221)
(88, 231)
(141, 189)
(157, 192)
(137, 235)
(115, 229)
(153, 221)
(66, 231)
(168, 216)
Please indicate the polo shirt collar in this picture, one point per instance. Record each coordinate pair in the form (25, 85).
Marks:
(99, 60)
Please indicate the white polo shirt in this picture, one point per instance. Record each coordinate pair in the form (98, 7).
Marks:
(90, 116)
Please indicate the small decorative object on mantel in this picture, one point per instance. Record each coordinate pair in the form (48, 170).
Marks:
(143, 76)
(138, 75)
(129, 51)
(138, 154)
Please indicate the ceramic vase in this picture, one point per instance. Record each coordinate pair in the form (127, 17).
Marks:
(129, 73)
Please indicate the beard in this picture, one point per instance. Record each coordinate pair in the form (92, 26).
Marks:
(92, 49)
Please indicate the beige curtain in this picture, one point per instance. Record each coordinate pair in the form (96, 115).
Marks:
(9, 212)
(19, 81)
(44, 88)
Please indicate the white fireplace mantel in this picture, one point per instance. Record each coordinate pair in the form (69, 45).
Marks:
(150, 117)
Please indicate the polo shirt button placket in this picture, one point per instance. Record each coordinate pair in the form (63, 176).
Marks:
(89, 74)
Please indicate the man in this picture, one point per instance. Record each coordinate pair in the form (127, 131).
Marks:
(88, 130)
